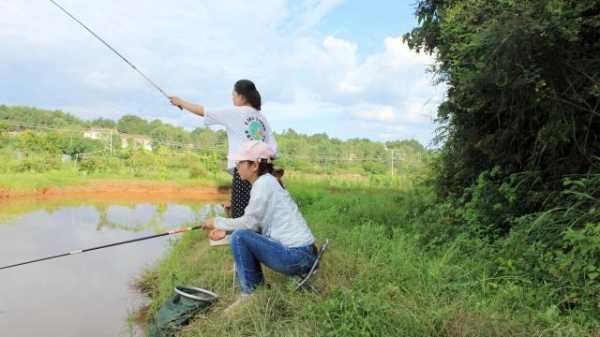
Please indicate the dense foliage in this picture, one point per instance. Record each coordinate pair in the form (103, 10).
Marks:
(520, 164)
(524, 86)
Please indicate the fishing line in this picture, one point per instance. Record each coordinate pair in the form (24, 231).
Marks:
(111, 48)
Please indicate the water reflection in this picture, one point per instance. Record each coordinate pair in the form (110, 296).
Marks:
(86, 294)
(155, 217)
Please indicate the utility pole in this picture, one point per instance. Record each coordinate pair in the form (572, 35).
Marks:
(392, 163)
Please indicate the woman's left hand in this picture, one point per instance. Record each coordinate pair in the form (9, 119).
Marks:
(176, 101)
(217, 234)
(208, 224)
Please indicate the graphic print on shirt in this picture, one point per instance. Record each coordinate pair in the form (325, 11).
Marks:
(255, 129)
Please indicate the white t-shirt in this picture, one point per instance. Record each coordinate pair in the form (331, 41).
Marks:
(272, 211)
(243, 123)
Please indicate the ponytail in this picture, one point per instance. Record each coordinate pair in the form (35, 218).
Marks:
(247, 89)
(265, 166)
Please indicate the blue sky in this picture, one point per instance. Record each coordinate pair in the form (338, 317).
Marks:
(334, 66)
(367, 24)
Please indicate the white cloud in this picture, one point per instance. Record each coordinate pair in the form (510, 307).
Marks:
(390, 90)
(313, 11)
(303, 105)
(375, 113)
(337, 69)
(395, 70)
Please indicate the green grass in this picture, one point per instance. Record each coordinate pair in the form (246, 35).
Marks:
(376, 280)
(28, 181)
(70, 176)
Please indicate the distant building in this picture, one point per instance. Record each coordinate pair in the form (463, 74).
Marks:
(98, 134)
(143, 142)
(136, 141)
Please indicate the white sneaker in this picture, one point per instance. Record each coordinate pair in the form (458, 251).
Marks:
(243, 298)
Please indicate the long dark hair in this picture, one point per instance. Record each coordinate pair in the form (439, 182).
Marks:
(248, 90)
(264, 166)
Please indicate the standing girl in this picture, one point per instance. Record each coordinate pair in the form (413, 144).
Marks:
(243, 122)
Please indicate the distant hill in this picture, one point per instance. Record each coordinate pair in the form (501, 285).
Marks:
(299, 149)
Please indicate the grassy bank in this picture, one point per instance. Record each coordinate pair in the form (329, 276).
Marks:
(377, 279)
(70, 176)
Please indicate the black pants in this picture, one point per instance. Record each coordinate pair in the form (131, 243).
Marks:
(240, 195)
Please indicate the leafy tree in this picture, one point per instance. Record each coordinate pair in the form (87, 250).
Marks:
(519, 162)
(76, 145)
(104, 123)
(407, 145)
(131, 124)
(523, 86)
(32, 117)
(39, 142)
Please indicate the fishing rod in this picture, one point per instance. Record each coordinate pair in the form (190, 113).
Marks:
(113, 49)
(75, 252)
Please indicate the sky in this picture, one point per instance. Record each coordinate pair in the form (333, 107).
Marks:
(333, 66)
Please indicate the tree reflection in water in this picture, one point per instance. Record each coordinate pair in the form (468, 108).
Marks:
(156, 223)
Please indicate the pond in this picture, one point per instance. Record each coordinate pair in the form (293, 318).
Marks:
(87, 294)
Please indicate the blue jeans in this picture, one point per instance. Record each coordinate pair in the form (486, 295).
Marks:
(250, 249)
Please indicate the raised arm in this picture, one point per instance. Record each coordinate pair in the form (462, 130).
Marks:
(193, 108)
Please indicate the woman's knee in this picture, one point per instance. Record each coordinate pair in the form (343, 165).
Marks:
(239, 235)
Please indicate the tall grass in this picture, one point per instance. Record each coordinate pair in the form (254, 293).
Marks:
(376, 280)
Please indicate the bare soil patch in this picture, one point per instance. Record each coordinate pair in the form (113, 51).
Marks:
(120, 191)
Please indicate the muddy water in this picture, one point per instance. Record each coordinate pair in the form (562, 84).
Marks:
(88, 294)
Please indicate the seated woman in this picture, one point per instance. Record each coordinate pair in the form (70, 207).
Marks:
(272, 230)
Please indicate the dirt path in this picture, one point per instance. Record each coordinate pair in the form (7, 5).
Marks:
(120, 191)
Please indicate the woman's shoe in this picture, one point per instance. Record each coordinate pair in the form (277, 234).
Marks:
(240, 302)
